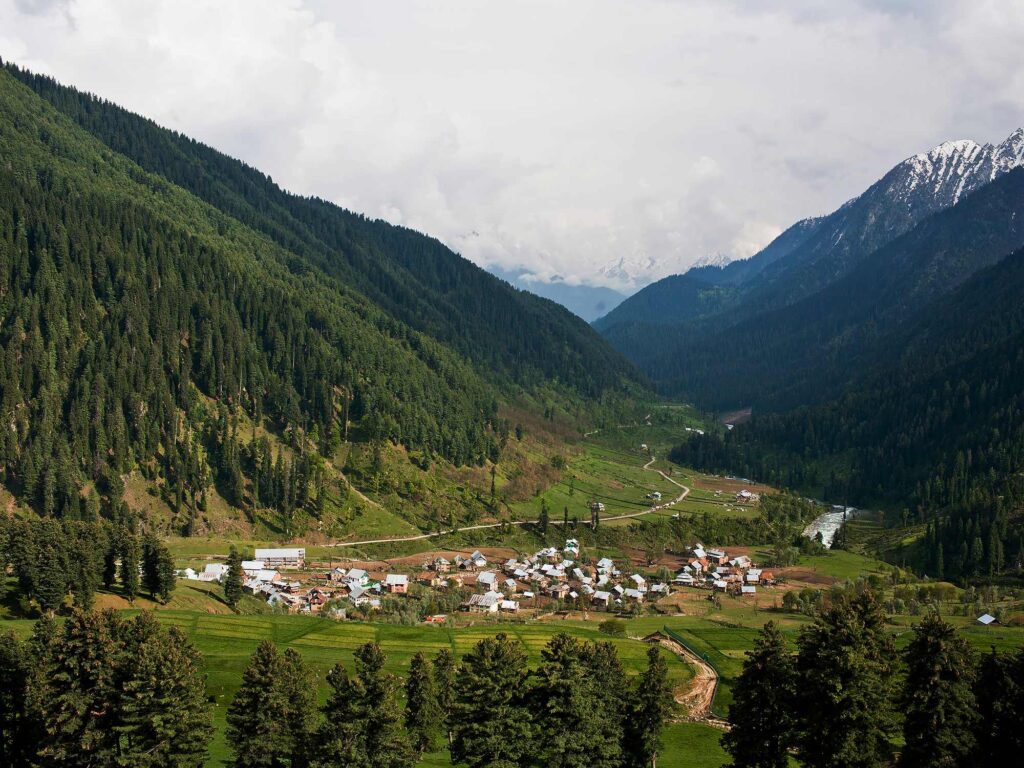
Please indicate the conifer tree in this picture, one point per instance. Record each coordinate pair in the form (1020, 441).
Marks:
(340, 737)
(157, 569)
(491, 725)
(166, 579)
(234, 578)
(299, 688)
(15, 744)
(23, 552)
(938, 702)
(610, 685)
(423, 717)
(257, 720)
(544, 518)
(571, 726)
(762, 708)
(111, 553)
(652, 704)
(84, 562)
(166, 724)
(130, 565)
(387, 743)
(363, 723)
(999, 690)
(76, 714)
(52, 573)
(444, 685)
(845, 697)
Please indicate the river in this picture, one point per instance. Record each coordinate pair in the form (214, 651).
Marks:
(828, 524)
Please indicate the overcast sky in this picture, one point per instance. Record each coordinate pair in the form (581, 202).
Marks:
(558, 136)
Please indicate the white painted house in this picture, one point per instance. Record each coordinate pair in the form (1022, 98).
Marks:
(294, 557)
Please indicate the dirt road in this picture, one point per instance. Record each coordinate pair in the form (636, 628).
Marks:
(420, 537)
(701, 694)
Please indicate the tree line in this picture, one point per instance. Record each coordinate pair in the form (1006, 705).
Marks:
(844, 700)
(57, 561)
(577, 709)
(102, 690)
(508, 334)
(126, 320)
(935, 435)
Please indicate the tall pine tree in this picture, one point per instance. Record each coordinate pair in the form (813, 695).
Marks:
(444, 685)
(423, 717)
(651, 706)
(491, 725)
(846, 694)
(938, 702)
(234, 578)
(15, 744)
(999, 691)
(257, 724)
(572, 728)
(163, 719)
(363, 725)
(761, 713)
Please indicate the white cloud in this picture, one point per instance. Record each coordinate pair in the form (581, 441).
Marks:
(594, 141)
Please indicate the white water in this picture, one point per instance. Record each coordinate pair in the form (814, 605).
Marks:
(828, 524)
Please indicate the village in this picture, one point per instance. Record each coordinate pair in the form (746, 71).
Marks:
(550, 579)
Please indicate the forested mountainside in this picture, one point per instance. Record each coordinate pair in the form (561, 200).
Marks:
(938, 429)
(815, 254)
(812, 349)
(701, 291)
(509, 334)
(139, 323)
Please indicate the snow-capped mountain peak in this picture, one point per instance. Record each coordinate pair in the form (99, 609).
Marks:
(947, 172)
(1009, 154)
(713, 260)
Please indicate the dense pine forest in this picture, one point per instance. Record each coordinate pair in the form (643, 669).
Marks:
(845, 695)
(778, 358)
(936, 437)
(140, 321)
(509, 334)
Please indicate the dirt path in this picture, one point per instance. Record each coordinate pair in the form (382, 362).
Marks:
(699, 696)
(420, 537)
(680, 497)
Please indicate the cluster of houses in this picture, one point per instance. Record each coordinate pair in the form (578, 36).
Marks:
(263, 578)
(713, 568)
(551, 573)
(548, 574)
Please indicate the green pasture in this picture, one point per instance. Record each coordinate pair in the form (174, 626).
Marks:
(615, 478)
(693, 745)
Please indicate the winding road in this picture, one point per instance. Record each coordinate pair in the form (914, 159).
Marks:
(420, 537)
(700, 695)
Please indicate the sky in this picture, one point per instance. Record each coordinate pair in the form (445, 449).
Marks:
(588, 142)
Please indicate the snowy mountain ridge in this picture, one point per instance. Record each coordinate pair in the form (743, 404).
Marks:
(955, 168)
